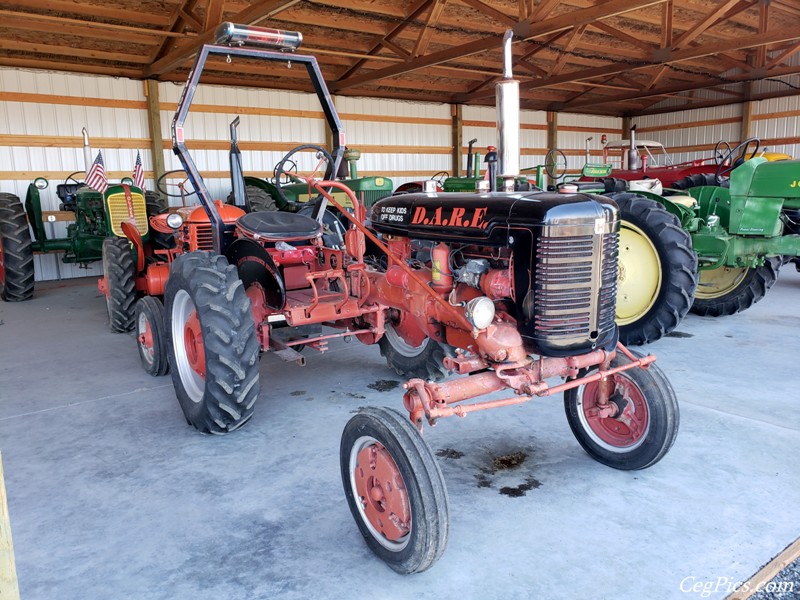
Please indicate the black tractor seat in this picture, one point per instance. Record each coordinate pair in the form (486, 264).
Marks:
(276, 226)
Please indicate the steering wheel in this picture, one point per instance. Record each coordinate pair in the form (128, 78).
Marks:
(71, 177)
(723, 170)
(440, 177)
(162, 185)
(718, 152)
(290, 174)
(280, 168)
(555, 164)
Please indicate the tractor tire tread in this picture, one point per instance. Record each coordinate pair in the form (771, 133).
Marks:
(17, 250)
(754, 287)
(120, 273)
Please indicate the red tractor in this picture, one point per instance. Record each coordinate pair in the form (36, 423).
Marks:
(514, 289)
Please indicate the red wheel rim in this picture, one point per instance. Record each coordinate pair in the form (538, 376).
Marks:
(193, 340)
(624, 430)
(146, 338)
(382, 492)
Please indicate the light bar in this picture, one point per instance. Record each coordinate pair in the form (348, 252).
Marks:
(231, 34)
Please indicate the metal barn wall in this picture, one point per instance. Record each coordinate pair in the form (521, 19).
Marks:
(574, 131)
(777, 123)
(41, 136)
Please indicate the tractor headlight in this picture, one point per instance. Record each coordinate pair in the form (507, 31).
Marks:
(174, 220)
(480, 312)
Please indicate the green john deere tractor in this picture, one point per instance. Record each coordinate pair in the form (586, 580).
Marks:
(96, 232)
(714, 250)
(264, 195)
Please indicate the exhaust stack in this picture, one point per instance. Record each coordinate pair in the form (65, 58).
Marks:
(507, 98)
(87, 151)
(633, 155)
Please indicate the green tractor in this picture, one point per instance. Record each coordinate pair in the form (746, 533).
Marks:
(264, 195)
(714, 250)
(97, 232)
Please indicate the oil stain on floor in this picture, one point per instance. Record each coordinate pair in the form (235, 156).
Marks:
(384, 385)
(499, 470)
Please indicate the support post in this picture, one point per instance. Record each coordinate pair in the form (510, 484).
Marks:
(457, 137)
(552, 137)
(154, 124)
(9, 586)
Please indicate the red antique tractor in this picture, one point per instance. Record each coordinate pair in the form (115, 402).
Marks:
(515, 288)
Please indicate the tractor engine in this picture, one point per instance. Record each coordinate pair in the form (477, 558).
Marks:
(544, 263)
(194, 231)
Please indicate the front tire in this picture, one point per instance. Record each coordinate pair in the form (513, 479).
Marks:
(395, 489)
(150, 336)
(728, 290)
(120, 274)
(16, 251)
(211, 342)
(424, 361)
(644, 429)
(657, 270)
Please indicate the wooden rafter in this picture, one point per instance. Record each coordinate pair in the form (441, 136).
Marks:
(492, 12)
(782, 56)
(573, 40)
(427, 30)
(668, 57)
(621, 35)
(525, 29)
(712, 17)
(415, 11)
(214, 12)
(97, 11)
(252, 14)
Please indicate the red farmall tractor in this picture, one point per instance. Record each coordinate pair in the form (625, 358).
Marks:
(504, 290)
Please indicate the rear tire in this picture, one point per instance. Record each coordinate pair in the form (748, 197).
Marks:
(150, 336)
(395, 489)
(260, 200)
(657, 270)
(424, 361)
(211, 342)
(645, 430)
(728, 290)
(16, 251)
(120, 274)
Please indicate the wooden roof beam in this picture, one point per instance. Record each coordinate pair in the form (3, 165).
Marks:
(782, 56)
(214, 13)
(252, 14)
(711, 18)
(492, 12)
(573, 40)
(525, 30)
(424, 38)
(59, 51)
(413, 14)
(666, 56)
(102, 11)
(621, 35)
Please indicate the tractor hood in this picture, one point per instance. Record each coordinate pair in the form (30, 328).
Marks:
(489, 218)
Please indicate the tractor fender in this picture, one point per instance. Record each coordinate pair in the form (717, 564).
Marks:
(255, 265)
(33, 208)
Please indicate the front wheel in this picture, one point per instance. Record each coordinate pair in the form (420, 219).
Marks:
(150, 336)
(728, 290)
(119, 271)
(423, 360)
(211, 342)
(644, 427)
(395, 489)
(657, 270)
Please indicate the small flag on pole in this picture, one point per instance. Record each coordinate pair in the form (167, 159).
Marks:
(96, 177)
(138, 174)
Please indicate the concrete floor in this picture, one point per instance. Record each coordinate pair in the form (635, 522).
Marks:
(112, 495)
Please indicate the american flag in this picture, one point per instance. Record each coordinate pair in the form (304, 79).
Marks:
(138, 174)
(96, 177)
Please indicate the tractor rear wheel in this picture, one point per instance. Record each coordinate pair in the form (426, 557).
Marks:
(211, 342)
(150, 336)
(260, 200)
(120, 274)
(424, 361)
(728, 290)
(646, 423)
(16, 252)
(657, 270)
(395, 489)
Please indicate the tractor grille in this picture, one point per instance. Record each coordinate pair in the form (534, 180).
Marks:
(201, 237)
(119, 211)
(575, 286)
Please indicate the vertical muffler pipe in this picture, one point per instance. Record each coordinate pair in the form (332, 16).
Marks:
(87, 151)
(633, 155)
(588, 151)
(507, 98)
